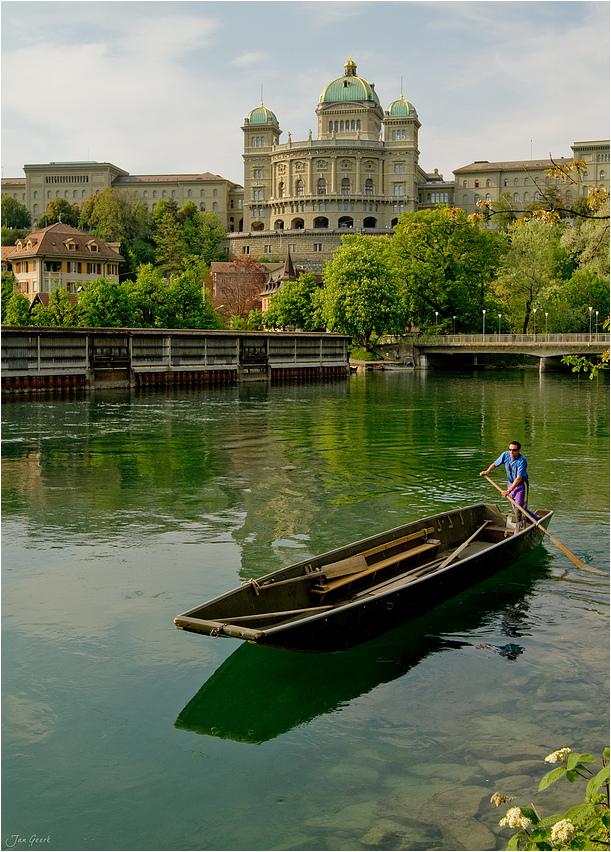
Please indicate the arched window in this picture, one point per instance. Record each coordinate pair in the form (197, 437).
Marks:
(154, 193)
(336, 126)
(464, 183)
(330, 127)
(393, 136)
(215, 207)
(321, 222)
(487, 183)
(75, 194)
(488, 197)
(526, 181)
(281, 189)
(341, 127)
(603, 174)
(515, 182)
(164, 194)
(322, 187)
(526, 197)
(352, 125)
(146, 193)
(202, 192)
(189, 193)
(173, 193)
(368, 187)
(345, 186)
(299, 188)
(202, 207)
(476, 183)
(537, 196)
(358, 124)
(36, 208)
(516, 197)
(35, 194)
(465, 199)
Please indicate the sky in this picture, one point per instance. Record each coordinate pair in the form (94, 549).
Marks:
(164, 87)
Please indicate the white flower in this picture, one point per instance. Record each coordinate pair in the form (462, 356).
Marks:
(555, 756)
(515, 819)
(562, 832)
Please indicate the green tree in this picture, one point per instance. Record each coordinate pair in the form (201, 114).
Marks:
(296, 304)
(361, 296)
(167, 236)
(14, 214)
(213, 236)
(11, 235)
(532, 271)
(60, 311)
(105, 303)
(187, 302)
(587, 241)
(115, 219)
(58, 209)
(149, 298)
(446, 263)
(17, 310)
(8, 288)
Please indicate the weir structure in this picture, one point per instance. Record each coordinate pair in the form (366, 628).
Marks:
(90, 358)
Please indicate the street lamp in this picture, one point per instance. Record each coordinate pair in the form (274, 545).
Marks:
(454, 318)
(500, 325)
(546, 325)
(484, 322)
(535, 322)
(590, 309)
(436, 315)
(596, 326)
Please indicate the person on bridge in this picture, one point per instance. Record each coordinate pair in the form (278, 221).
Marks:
(517, 477)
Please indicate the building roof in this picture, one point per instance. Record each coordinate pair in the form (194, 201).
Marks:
(13, 181)
(349, 88)
(53, 240)
(261, 115)
(401, 107)
(510, 165)
(158, 178)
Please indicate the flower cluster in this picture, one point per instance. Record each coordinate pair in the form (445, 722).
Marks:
(514, 818)
(555, 756)
(562, 832)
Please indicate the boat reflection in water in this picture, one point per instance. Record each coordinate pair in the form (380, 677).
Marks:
(259, 693)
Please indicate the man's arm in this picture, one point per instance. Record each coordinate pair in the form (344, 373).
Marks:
(514, 485)
(488, 470)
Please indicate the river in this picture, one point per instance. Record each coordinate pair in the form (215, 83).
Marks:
(121, 511)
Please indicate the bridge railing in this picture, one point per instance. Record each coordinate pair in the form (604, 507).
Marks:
(471, 339)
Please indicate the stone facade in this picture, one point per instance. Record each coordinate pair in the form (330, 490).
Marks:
(525, 181)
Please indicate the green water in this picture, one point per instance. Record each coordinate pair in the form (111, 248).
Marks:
(119, 512)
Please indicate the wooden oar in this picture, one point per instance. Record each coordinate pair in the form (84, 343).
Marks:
(558, 544)
(460, 549)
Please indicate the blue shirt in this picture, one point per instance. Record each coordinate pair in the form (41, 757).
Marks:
(514, 467)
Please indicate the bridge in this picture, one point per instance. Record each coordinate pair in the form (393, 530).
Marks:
(461, 350)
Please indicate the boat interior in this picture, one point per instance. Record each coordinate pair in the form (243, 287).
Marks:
(388, 561)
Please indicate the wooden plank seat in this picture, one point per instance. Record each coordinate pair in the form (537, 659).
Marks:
(363, 569)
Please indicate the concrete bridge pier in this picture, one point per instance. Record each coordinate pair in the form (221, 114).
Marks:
(551, 364)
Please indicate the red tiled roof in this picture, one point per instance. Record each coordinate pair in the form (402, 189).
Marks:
(50, 242)
(511, 165)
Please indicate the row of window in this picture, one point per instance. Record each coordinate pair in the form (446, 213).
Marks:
(516, 181)
(257, 142)
(78, 267)
(321, 188)
(67, 179)
(345, 126)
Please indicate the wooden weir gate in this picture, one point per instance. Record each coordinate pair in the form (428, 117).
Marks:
(46, 358)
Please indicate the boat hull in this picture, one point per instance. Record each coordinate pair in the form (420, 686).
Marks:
(329, 623)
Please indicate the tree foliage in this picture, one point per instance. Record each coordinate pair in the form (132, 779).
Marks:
(60, 210)
(60, 310)
(361, 296)
(446, 264)
(296, 304)
(14, 214)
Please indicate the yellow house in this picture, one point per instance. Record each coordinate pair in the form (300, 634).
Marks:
(60, 256)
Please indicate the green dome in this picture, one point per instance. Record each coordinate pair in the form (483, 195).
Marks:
(401, 107)
(348, 88)
(261, 115)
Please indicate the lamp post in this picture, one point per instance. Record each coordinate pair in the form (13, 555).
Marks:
(484, 322)
(436, 315)
(535, 322)
(454, 318)
(596, 326)
(590, 309)
(546, 335)
(500, 324)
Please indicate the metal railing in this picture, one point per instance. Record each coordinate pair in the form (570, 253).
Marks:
(509, 339)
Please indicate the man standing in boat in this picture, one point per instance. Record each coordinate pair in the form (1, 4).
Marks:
(517, 477)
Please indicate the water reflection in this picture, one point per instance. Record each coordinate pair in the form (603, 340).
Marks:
(259, 693)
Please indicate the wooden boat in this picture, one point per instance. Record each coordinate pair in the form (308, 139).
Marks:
(349, 595)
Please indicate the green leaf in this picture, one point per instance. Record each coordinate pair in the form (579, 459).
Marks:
(514, 843)
(577, 813)
(530, 814)
(552, 776)
(576, 758)
(550, 820)
(596, 782)
(571, 776)
(607, 754)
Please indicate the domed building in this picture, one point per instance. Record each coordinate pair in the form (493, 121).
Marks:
(359, 174)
